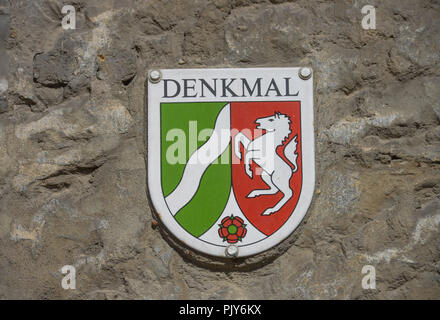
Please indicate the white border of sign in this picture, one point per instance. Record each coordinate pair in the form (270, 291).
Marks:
(305, 96)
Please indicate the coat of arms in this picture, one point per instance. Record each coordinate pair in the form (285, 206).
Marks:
(231, 155)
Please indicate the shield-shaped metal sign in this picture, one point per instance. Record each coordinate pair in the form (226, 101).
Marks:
(231, 155)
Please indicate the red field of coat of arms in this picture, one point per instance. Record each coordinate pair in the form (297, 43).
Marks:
(266, 167)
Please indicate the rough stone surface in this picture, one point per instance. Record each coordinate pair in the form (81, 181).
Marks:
(73, 145)
(4, 27)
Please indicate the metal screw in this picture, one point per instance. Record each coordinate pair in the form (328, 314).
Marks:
(155, 76)
(231, 251)
(305, 73)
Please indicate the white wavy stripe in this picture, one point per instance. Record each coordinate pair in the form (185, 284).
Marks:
(194, 169)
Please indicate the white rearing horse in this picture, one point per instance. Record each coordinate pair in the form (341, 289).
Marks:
(276, 173)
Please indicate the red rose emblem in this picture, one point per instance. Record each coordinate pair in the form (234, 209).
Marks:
(232, 229)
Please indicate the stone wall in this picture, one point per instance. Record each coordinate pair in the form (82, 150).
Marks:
(73, 144)
(4, 28)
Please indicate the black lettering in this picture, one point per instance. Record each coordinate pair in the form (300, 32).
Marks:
(273, 87)
(186, 88)
(207, 86)
(226, 87)
(165, 88)
(257, 87)
(288, 94)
